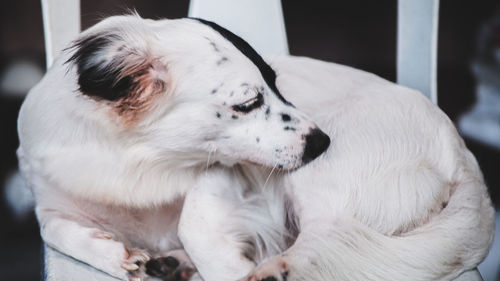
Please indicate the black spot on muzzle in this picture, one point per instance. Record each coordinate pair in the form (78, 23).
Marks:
(316, 143)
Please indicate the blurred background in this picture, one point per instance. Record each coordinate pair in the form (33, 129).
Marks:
(357, 33)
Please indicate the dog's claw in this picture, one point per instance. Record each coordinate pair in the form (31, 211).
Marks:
(102, 235)
(129, 266)
(137, 256)
(275, 269)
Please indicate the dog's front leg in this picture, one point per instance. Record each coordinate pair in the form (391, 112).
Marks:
(211, 237)
(91, 245)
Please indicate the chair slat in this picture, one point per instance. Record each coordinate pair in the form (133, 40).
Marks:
(260, 22)
(61, 23)
(417, 45)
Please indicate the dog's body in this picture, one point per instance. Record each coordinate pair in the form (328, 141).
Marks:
(162, 158)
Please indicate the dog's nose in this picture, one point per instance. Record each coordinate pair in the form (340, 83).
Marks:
(316, 143)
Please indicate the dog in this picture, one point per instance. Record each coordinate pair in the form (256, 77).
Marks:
(171, 149)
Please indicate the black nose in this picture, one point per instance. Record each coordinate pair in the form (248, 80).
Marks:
(316, 143)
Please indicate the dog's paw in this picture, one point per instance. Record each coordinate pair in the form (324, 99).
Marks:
(126, 264)
(135, 264)
(171, 266)
(274, 269)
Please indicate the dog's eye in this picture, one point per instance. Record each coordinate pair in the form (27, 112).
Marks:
(250, 104)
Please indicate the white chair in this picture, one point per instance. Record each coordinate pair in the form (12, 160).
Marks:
(416, 66)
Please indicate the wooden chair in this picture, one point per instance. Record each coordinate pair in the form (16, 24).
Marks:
(416, 66)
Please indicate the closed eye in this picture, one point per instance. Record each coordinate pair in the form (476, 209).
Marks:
(250, 104)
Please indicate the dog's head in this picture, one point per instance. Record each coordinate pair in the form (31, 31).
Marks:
(182, 91)
(133, 102)
(192, 90)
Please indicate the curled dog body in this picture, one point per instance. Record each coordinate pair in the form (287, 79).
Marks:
(167, 147)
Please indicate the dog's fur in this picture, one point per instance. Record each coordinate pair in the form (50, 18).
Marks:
(149, 137)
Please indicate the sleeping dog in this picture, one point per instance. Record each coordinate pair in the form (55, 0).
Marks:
(172, 149)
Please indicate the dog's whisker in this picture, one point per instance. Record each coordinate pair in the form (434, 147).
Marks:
(208, 159)
(269, 176)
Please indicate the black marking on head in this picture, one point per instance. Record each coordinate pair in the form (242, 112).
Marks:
(222, 60)
(112, 69)
(257, 139)
(234, 116)
(285, 117)
(215, 90)
(216, 48)
(244, 85)
(266, 71)
(231, 94)
(268, 112)
(96, 77)
(217, 114)
(288, 128)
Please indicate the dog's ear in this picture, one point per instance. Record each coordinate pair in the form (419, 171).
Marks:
(119, 68)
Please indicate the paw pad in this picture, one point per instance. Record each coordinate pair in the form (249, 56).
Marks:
(284, 276)
(271, 278)
(169, 269)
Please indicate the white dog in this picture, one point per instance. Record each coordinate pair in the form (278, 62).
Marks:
(165, 147)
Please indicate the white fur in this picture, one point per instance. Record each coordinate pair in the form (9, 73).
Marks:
(370, 208)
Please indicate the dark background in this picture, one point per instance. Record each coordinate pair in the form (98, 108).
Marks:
(358, 33)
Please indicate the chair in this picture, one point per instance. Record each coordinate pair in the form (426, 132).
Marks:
(416, 66)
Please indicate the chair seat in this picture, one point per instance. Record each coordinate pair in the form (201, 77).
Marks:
(59, 267)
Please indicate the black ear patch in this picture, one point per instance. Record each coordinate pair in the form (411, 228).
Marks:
(114, 69)
(98, 74)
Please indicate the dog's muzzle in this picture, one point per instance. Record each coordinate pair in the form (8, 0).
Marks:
(316, 143)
